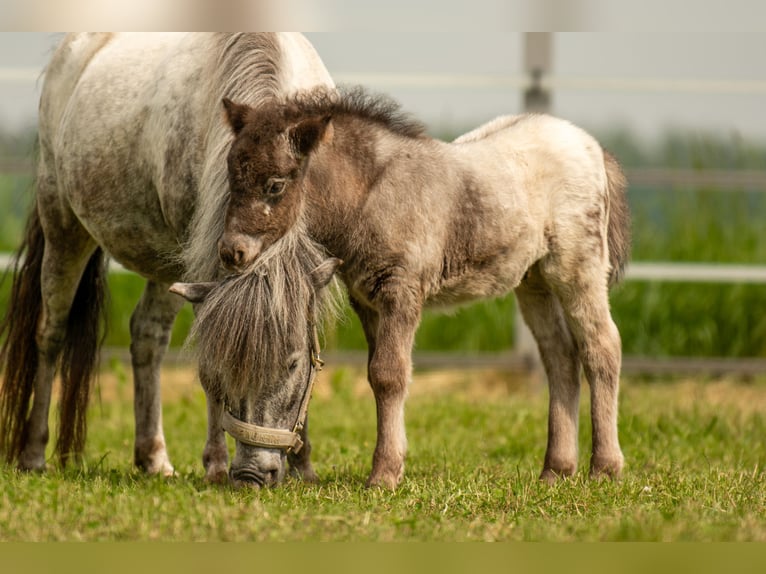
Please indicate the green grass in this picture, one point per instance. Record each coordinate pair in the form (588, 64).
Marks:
(694, 451)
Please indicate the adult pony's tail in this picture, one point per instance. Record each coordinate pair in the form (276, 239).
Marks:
(19, 353)
(618, 227)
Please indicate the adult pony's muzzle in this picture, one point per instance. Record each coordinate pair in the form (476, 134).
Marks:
(257, 467)
(238, 251)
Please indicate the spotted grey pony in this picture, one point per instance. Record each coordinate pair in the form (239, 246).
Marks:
(526, 203)
(132, 164)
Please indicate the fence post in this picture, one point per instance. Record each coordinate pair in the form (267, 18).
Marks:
(538, 52)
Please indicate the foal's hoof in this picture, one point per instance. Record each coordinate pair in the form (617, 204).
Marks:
(551, 477)
(606, 467)
(386, 481)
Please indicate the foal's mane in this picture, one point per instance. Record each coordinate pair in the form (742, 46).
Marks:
(245, 68)
(354, 101)
(242, 329)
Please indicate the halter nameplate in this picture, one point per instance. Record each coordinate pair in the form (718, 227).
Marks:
(255, 435)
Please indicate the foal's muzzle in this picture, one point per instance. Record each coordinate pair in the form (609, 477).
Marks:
(237, 251)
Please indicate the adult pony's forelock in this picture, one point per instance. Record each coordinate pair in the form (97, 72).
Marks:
(243, 331)
(245, 71)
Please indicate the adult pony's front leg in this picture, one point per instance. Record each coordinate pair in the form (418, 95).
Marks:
(150, 327)
(300, 463)
(215, 456)
(390, 371)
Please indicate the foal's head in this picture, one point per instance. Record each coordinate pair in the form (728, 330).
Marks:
(266, 165)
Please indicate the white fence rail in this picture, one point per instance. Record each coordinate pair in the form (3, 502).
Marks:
(636, 271)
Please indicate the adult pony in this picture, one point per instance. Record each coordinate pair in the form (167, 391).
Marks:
(132, 163)
(527, 203)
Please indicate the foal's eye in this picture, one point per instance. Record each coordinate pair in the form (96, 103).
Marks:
(293, 365)
(274, 187)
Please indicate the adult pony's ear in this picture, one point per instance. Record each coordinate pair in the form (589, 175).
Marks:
(305, 136)
(192, 292)
(323, 273)
(236, 114)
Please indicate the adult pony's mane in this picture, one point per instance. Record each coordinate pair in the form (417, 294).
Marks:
(242, 328)
(357, 102)
(245, 68)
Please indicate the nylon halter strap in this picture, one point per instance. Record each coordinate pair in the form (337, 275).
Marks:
(289, 441)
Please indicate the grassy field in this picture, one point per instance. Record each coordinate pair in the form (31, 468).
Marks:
(694, 449)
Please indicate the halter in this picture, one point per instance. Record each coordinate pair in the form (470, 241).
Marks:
(289, 441)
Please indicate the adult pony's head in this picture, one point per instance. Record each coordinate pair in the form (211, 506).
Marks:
(256, 344)
(266, 166)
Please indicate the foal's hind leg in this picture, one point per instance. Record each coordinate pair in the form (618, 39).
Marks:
(586, 306)
(543, 314)
(150, 327)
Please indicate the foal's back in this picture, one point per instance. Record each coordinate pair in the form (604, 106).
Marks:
(535, 184)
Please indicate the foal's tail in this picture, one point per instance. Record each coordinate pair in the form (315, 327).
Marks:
(618, 227)
(19, 352)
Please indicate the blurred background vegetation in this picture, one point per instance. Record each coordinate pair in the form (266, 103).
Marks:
(659, 319)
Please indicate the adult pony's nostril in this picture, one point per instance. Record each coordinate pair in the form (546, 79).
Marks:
(271, 477)
(246, 477)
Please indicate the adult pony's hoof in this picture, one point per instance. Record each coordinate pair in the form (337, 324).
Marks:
(305, 474)
(217, 475)
(31, 462)
(152, 457)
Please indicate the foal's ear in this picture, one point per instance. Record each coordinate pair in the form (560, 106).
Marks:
(322, 275)
(305, 136)
(236, 114)
(192, 292)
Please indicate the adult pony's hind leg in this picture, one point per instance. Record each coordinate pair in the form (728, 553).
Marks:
(63, 264)
(543, 314)
(150, 327)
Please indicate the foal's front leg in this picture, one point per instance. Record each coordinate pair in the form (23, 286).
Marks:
(390, 371)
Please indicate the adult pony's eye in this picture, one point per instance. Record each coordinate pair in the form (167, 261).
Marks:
(274, 186)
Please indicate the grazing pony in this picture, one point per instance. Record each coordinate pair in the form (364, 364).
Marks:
(528, 203)
(132, 164)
